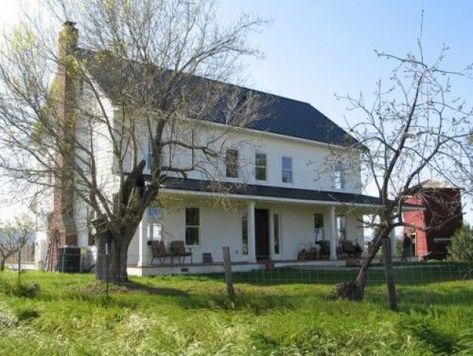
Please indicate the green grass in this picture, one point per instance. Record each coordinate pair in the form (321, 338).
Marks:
(282, 312)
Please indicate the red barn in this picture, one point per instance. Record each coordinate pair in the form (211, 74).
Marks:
(437, 222)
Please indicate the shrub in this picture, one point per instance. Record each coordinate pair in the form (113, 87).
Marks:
(461, 246)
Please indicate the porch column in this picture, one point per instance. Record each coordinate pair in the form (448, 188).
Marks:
(143, 240)
(251, 231)
(333, 233)
(392, 237)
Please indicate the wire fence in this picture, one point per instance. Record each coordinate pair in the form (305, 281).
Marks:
(287, 272)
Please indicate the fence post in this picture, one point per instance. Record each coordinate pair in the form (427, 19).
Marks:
(227, 266)
(388, 271)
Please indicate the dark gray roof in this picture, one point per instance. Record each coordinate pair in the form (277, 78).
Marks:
(276, 114)
(196, 185)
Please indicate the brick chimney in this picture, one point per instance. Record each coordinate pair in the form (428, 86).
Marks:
(64, 92)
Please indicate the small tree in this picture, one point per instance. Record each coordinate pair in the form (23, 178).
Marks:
(13, 236)
(461, 245)
(414, 128)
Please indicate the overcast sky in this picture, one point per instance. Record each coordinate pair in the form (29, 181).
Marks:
(314, 49)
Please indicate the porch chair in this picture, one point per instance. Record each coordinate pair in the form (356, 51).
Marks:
(178, 249)
(159, 252)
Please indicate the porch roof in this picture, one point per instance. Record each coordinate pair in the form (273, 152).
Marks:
(238, 189)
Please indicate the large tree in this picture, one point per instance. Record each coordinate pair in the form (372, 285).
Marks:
(127, 75)
(416, 127)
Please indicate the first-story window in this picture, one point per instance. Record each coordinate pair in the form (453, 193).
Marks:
(319, 227)
(341, 227)
(286, 164)
(231, 163)
(155, 227)
(260, 166)
(244, 233)
(276, 233)
(192, 226)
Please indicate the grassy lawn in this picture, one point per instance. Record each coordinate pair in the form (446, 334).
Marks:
(283, 312)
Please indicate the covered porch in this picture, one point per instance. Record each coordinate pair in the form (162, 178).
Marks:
(257, 229)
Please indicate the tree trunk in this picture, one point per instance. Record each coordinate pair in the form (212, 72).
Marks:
(2, 264)
(112, 261)
(356, 291)
(388, 271)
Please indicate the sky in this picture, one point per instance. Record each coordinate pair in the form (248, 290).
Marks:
(314, 49)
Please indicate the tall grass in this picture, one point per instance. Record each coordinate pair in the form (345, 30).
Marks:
(193, 316)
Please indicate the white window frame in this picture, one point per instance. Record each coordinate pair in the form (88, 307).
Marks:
(291, 170)
(261, 167)
(154, 230)
(338, 180)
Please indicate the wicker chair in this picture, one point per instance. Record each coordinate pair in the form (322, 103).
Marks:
(159, 252)
(178, 249)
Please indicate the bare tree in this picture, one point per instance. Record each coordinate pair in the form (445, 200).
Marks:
(145, 81)
(13, 236)
(415, 128)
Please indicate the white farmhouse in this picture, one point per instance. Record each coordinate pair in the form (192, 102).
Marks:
(289, 184)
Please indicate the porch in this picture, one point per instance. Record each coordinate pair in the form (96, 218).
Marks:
(255, 229)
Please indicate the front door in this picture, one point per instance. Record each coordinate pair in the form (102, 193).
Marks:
(262, 234)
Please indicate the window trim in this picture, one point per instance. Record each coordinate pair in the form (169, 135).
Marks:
(283, 170)
(260, 167)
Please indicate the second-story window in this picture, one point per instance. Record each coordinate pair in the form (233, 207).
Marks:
(150, 157)
(231, 163)
(286, 163)
(337, 177)
(260, 166)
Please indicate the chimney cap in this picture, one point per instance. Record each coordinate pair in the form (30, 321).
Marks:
(69, 23)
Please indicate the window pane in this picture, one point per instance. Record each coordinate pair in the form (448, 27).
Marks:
(276, 233)
(260, 173)
(260, 160)
(192, 235)
(192, 216)
(318, 221)
(338, 178)
(341, 227)
(244, 233)
(287, 176)
(287, 163)
(260, 166)
(231, 161)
